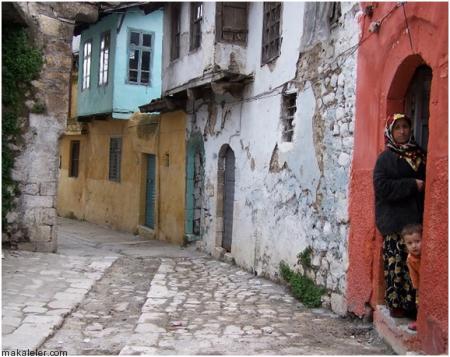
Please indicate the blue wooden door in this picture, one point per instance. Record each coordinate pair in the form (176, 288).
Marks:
(150, 196)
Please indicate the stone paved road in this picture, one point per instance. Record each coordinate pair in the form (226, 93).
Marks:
(161, 299)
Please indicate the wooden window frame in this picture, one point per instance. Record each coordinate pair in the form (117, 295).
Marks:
(115, 158)
(175, 33)
(141, 49)
(74, 158)
(196, 26)
(87, 62)
(105, 49)
(239, 35)
(271, 39)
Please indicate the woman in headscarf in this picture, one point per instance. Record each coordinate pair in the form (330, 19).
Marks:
(399, 177)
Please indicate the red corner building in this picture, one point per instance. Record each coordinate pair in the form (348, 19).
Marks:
(402, 67)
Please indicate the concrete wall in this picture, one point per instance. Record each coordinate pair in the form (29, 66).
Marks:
(128, 97)
(288, 195)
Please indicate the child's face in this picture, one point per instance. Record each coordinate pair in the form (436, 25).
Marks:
(412, 242)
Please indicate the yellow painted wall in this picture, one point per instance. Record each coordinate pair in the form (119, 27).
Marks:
(172, 178)
(121, 205)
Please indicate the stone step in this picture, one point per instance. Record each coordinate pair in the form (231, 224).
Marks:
(395, 331)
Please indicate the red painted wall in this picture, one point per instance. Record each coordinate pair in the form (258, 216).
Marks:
(386, 64)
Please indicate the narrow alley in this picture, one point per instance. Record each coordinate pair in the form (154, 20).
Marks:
(107, 292)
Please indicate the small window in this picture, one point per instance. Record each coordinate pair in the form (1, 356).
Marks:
(115, 150)
(288, 109)
(231, 20)
(196, 22)
(139, 57)
(87, 49)
(271, 43)
(175, 32)
(74, 158)
(104, 59)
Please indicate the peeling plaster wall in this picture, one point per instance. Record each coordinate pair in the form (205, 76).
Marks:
(189, 64)
(288, 196)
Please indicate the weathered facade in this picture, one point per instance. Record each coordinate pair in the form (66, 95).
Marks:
(32, 223)
(274, 120)
(123, 170)
(414, 37)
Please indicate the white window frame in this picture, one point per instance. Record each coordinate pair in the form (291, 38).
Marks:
(87, 56)
(105, 44)
(140, 48)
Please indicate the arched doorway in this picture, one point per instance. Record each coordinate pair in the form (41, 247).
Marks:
(409, 92)
(225, 197)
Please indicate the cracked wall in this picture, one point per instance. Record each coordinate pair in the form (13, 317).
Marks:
(288, 195)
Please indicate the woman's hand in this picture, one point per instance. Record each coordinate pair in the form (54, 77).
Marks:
(420, 185)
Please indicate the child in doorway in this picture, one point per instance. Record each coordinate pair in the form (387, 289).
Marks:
(412, 237)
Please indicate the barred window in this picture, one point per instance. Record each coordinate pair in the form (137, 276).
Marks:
(74, 158)
(115, 151)
(139, 58)
(87, 49)
(288, 109)
(196, 25)
(271, 42)
(175, 32)
(104, 59)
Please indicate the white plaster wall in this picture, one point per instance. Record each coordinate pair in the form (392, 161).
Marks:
(189, 65)
(268, 76)
(277, 214)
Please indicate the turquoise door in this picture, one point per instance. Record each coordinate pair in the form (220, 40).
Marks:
(150, 194)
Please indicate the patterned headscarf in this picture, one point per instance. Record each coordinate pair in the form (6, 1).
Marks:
(409, 151)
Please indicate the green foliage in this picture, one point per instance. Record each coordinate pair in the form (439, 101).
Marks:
(305, 257)
(38, 108)
(21, 63)
(303, 288)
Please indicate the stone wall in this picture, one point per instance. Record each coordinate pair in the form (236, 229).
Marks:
(329, 70)
(32, 225)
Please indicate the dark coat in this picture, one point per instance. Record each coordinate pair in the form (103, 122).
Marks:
(397, 199)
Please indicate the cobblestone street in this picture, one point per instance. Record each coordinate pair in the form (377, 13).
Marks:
(107, 292)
